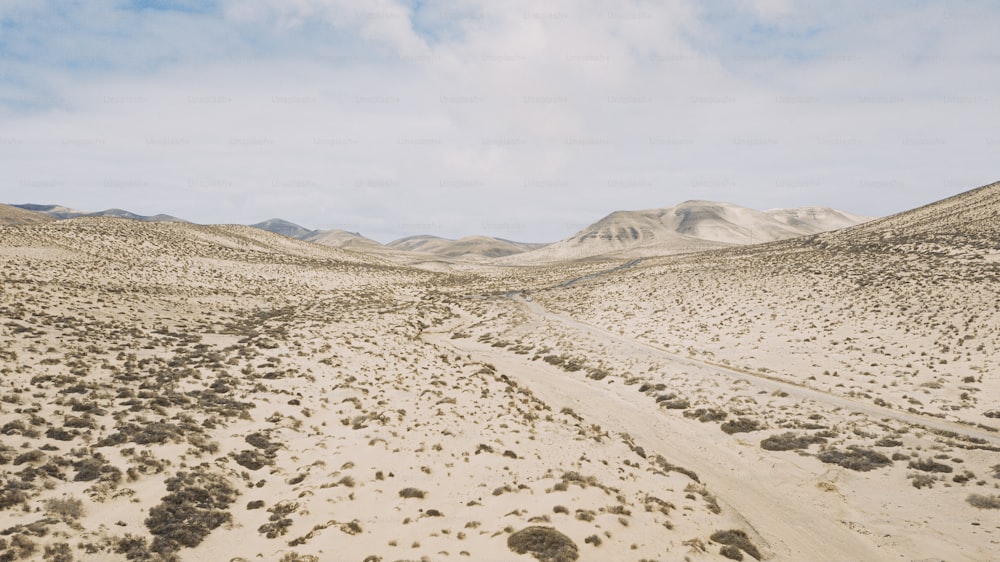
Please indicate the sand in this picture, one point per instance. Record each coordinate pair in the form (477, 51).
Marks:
(180, 392)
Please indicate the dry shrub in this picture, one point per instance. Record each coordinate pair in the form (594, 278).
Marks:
(741, 425)
(736, 539)
(544, 543)
(68, 508)
(790, 441)
(984, 502)
(197, 504)
(855, 458)
(929, 465)
(412, 493)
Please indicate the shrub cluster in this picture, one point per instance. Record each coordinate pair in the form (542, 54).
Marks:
(544, 543)
(855, 458)
(197, 503)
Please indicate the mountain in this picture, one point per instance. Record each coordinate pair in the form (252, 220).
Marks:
(469, 247)
(10, 215)
(54, 211)
(123, 214)
(813, 220)
(284, 228)
(334, 238)
(689, 227)
(176, 246)
(914, 293)
(60, 212)
(342, 239)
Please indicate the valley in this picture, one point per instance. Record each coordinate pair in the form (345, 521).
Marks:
(173, 391)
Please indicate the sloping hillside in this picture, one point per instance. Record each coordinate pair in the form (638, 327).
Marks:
(970, 220)
(343, 239)
(813, 220)
(60, 212)
(469, 247)
(692, 226)
(183, 392)
(13, 215)
(903, 311)
(284, 228)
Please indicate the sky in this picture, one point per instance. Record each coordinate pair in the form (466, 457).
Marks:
(521, 120)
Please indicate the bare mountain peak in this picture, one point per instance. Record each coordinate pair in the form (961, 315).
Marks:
(693, 225)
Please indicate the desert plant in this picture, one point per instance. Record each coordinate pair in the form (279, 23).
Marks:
(929, 465)
(741, 425)
(58, 552)
(706, 414)
(67, 508)
(731, 552)
(790, 441)
(984, 502)
(737, 539)
(252, 460)
(412, 493)
(197, 503)
(544, 543)
(855, 458)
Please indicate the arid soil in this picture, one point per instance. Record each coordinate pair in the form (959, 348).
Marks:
(180, 392)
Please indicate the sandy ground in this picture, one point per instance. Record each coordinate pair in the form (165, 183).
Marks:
(192, 393)
(846, 515)
(178, 392)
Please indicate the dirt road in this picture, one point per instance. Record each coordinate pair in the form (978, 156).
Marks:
(764, 382)
(791, 516)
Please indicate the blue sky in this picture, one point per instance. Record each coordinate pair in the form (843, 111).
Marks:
(522, 120)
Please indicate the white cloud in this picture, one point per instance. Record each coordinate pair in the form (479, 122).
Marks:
(770, 10)
(514, 119)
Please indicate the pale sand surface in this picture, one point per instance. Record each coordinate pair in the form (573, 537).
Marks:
(173, 391)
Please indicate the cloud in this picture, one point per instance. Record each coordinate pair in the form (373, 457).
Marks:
(520, 120)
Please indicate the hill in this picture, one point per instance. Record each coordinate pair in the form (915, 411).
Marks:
(60, 212)
(689, 227)
(10, 215)
(467, 248)
(54, 211)
(848, 371)
(284, 228)
(227, 393)
(343, 239)
(920, 287)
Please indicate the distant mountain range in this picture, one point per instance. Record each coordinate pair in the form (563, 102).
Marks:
(475, 248)
(688, 227)
(59, 212)
(482, 247)
(334, 238)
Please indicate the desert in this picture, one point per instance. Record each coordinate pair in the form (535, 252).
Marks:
(558, 281)
(173, 391)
